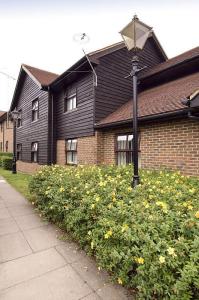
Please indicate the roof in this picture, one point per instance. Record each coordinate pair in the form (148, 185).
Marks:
(2, 113)
(158, 100)
(44, 78)
(95, 55)
(172, 62)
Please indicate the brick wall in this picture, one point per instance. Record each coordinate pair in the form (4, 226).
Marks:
(6, 134)
(61, 156)
(26, 167)
(173, 145)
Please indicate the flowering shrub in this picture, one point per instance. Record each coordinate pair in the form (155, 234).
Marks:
(147, 238)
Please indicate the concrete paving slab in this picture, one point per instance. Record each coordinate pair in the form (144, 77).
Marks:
(61, 284)
(8, 226)
(30, 266)
(30, 221)
(42, 237)
(113, 292)
(4, 213)
(87, 269)
(20, 210)
(2, 204)
(92, 296)
(71, 252)
(13, 246)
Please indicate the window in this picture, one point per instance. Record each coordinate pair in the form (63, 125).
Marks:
(1, 127)
(19, 119)
(124, 149)
(35, 110)
(34, 152)
(19, 151)
(70, 103)
(71, 151)
(6, 146)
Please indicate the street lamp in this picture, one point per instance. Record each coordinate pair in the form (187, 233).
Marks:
(15, 115)
(135, 35)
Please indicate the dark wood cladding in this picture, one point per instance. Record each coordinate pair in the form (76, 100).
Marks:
(78, 122)
(113, 88)
(33, 131)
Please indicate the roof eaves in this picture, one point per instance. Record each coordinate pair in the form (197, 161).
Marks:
(31, 76)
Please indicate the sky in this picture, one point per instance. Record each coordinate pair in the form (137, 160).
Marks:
(41, 33)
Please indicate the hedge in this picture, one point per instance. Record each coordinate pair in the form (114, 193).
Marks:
(6, 162)
(146, 238)
(6, 154)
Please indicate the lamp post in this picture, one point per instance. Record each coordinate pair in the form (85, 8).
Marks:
(15, 115)
(135, 35)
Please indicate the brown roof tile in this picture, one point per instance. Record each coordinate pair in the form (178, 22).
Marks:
(2, 113)
(161, 99)
(43, 77)
(172, 62)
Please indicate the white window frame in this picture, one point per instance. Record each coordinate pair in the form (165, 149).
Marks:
(35, 110)
(71, 103)
(71, 151)
(34, 152)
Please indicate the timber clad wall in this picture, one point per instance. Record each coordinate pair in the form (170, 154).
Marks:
(113, 88)
(78, 122)
(33, 131)
(6, 135)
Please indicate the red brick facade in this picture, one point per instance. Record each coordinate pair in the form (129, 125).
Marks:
(173, 145)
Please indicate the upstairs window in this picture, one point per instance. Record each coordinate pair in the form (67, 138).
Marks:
(19, 151)
(34, 152)
(35, 110)
(70, 103)
(124, 149)
(71, 151)
(19, 119)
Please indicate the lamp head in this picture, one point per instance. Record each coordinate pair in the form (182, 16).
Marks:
(135, 34)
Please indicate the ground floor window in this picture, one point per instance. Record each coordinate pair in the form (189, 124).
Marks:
(19, 151)
(34, 152)
(124, 149)
(6, 146)
(71, 151)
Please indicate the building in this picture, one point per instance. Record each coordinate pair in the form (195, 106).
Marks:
(6, 133)
(78, 122)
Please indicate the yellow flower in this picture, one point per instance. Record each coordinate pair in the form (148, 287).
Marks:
(61, 189)
(190, 207)
(162, 259)
(110, 205)
(140, 260)
(97, 199)
(120, 281)
(125, 227)
(197, 214)
(171, 251)
(108, 234)
(129, 189)
(92, 206)
(92, 245)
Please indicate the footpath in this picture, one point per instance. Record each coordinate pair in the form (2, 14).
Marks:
(35, 264)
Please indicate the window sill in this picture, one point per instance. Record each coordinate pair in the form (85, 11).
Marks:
(35, 121)
(69, 111)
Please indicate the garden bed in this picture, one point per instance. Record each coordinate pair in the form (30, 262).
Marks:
(147, 238)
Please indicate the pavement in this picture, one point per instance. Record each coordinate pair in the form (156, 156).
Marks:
(35, 264)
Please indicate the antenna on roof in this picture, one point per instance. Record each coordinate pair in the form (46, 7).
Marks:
(83, 38)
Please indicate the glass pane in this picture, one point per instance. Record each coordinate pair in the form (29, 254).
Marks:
(69, 158)
(74, 102)
(121, 158)
(69, 104)
(34, 146)
(68, 145)
(73, 145)
(35, 105)
(130, 142)
(35, 156)
(75, 158)
(121, 142)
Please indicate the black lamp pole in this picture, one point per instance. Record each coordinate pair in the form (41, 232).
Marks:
(135, 70)
(14, 167)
